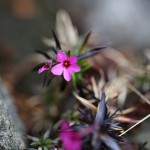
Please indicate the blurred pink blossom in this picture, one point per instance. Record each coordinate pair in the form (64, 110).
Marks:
(71, 139)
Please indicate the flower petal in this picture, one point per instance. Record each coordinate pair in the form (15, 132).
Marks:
(67, 74)
(45, 67)
(72, 59)
(71, 140)
(61, 56)
(64, 125)
(57, 69)
(75, 68)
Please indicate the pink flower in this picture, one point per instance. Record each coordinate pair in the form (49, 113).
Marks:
(66, 65)
(47, 66)
(71, 139)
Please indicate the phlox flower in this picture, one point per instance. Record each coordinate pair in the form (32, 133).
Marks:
(66, 65)
(71, 139)
(47, 66)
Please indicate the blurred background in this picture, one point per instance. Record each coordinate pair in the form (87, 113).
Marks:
(23, 24)
(120, 23)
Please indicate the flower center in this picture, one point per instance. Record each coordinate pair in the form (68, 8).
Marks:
(66, 64)
(47, 65)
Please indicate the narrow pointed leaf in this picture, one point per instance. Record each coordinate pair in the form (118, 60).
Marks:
(36, 143)
(44, 81)
(101, 111)
(45, 148)
(43, 53)
(37, 67)
(33, 138)
(110, 142)
(85, 41)
(91, 52)
(47, 133)
(50, 79)
(53, 49)
(97, 144)
(48, 142)
(56, 40)
(84, 115)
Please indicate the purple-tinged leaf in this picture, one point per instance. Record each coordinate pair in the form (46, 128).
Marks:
(110, 142)
(91, 52)
(115, 125)
(47, 133)
(50, 79)
(33, 138)
(107, 120)
(84, 114)
(97, 144)
(101, 111)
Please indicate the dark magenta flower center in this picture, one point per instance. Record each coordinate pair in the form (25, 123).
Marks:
(66, 63)
(47, 65)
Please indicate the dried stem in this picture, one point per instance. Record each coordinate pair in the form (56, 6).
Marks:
(85, 102)
(135, 125)
(138, 93)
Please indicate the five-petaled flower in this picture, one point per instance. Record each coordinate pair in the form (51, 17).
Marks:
(47, 66)
(71, 139)
(66, 65)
